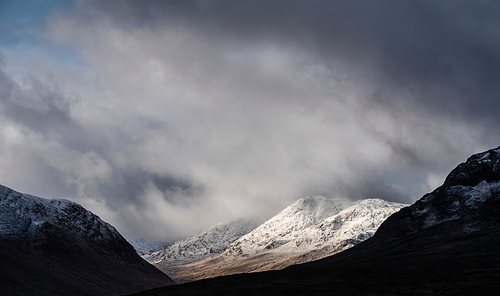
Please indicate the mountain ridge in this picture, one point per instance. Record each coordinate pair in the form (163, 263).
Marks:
(309, 224)
(57, 247)
(203, 244)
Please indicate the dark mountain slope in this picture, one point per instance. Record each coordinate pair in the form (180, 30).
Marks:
(447, 243)
(56, 247)
(456, 224)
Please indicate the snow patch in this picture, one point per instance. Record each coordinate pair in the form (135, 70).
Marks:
(485, 155)
(478, 194)
(469, 198)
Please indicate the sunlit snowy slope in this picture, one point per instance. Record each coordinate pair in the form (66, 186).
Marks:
(203, 245)
(318, 224)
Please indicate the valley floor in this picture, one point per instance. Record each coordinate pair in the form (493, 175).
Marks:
(345, 281)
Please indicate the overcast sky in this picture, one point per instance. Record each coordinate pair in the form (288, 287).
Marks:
(167, 117)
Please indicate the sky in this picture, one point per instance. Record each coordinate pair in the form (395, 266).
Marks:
(168, 117)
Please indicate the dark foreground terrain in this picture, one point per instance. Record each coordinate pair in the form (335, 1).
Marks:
(434, 281)
(57, 247)
(439, 275)
(447, 243)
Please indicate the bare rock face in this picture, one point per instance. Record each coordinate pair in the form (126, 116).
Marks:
(57, 247)
(479, 167)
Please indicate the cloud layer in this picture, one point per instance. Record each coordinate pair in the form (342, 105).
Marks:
(171, 116)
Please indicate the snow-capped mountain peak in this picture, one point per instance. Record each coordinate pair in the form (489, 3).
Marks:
(310, 210)
(309, 229)
(23, 216)
(204, 244)
(312, 222)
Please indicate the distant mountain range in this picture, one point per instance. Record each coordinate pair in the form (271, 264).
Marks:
(56, 247)
(309, 229)
(447, 243)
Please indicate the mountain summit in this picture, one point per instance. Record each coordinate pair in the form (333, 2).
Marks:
(467, 202)
(309, 229)
(57, 247)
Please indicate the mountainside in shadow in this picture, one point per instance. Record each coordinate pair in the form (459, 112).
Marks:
(447, 243)
(309, 229)
(57, 247)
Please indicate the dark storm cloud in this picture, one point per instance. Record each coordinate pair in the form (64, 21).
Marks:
(48, 151)
(38, 108)
(35, 106)
(440, 54)
(129, 185)
(43, 110)
(445, 52)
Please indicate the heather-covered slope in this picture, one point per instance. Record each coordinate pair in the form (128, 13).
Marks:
(56, 247)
